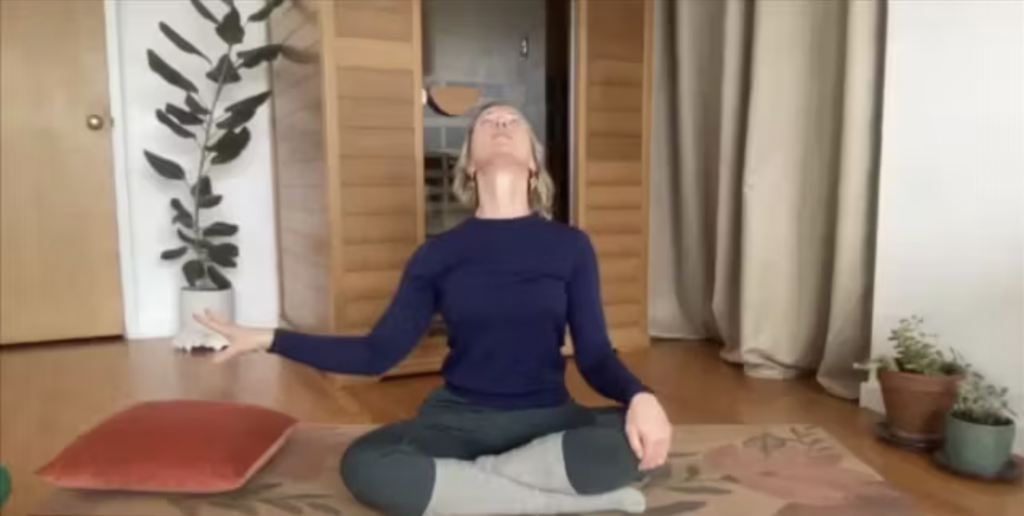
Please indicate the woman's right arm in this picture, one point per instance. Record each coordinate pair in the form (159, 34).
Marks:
(391, 339)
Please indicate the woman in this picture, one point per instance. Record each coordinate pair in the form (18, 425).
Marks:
(502, 436)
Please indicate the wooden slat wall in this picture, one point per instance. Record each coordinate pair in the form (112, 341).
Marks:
(612, 120)
(301, 172)
(375, 113)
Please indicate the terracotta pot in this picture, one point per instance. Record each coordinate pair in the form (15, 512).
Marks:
(916, 404)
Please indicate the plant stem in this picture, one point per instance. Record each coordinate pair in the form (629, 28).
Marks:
(203, 149)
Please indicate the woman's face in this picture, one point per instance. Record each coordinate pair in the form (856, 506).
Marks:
(502, 137)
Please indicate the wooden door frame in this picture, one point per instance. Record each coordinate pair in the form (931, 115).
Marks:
(119, 160)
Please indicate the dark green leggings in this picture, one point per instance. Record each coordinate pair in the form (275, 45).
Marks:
(391, 469)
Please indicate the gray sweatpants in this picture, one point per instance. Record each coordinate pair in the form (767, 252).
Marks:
(392, 469)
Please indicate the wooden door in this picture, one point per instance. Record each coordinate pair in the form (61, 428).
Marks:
(59, 268)
(376, 112)
(613, 84)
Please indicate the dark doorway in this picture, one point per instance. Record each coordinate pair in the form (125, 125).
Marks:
(517, 51)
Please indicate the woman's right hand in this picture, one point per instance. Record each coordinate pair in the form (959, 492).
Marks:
(241, 340)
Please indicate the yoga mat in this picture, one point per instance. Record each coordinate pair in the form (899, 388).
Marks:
(714, 470)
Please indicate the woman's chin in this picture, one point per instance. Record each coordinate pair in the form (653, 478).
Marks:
(505, 163)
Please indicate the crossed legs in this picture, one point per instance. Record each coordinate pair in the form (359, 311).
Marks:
(458, 459)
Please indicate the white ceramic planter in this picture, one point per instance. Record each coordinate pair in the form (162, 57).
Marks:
(192, 335)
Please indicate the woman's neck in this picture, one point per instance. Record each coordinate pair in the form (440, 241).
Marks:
(503, 195)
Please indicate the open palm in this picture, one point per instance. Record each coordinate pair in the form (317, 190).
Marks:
(241, 339)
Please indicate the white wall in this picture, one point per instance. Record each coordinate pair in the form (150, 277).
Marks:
(951, 222)
(152, 285)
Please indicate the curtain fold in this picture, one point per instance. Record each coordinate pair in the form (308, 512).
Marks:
(764, 164)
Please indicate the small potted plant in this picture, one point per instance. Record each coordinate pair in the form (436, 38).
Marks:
(980, 429)
(919, 382)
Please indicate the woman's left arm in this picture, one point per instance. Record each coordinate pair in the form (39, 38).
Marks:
(647, 426)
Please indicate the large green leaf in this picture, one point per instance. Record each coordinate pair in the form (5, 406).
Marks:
(224, 71)
(174, 254)
(194, 272)
(252, 102)
(181, 214)
(209, 201)
(182, 115)
(168, 73)
(265, 11)
(256, 56)
(229, 146)
(202, 187)
(204, 11)
(181, 42)
(196, 107)
(220, 229)
(165, 167)
(202, 192)
(173, 126)
(218, 278)
(242, 111)
(186, 238)
(230, 28)
(223, 254)
(236, 119)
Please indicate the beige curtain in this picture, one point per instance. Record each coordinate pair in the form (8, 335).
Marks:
(764, 165)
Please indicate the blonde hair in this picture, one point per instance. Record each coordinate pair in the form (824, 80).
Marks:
(541, 186)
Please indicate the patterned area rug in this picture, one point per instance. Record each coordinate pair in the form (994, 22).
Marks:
(728, 470)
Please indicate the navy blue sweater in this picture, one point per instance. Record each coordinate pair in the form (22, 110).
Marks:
(507, 289)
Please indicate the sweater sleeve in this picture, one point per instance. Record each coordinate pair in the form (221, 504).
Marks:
(596, 359)
(391, 339)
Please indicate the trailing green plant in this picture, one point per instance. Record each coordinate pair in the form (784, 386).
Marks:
(219, 132)
(915, 351)
(982, 402)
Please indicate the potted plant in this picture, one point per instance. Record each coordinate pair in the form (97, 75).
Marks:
(980, 429)
(919, 382)
(5, 484)
(220, 134)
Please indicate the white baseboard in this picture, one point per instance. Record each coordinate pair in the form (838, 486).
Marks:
(147, 335)
(871, 399)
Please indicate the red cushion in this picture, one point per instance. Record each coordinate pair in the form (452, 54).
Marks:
(172, 446)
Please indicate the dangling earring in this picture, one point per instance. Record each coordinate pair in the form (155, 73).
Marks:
(533, 181)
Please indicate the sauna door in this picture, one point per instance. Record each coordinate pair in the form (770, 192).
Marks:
(374, 95)
(612, 103)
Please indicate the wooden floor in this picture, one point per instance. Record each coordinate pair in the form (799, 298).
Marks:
(49, 394)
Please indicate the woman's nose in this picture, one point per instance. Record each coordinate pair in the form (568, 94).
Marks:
(502, 123)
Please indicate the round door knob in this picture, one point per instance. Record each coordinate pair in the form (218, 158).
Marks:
(94, 122)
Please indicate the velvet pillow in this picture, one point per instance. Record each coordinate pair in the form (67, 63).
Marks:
(172, 446)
